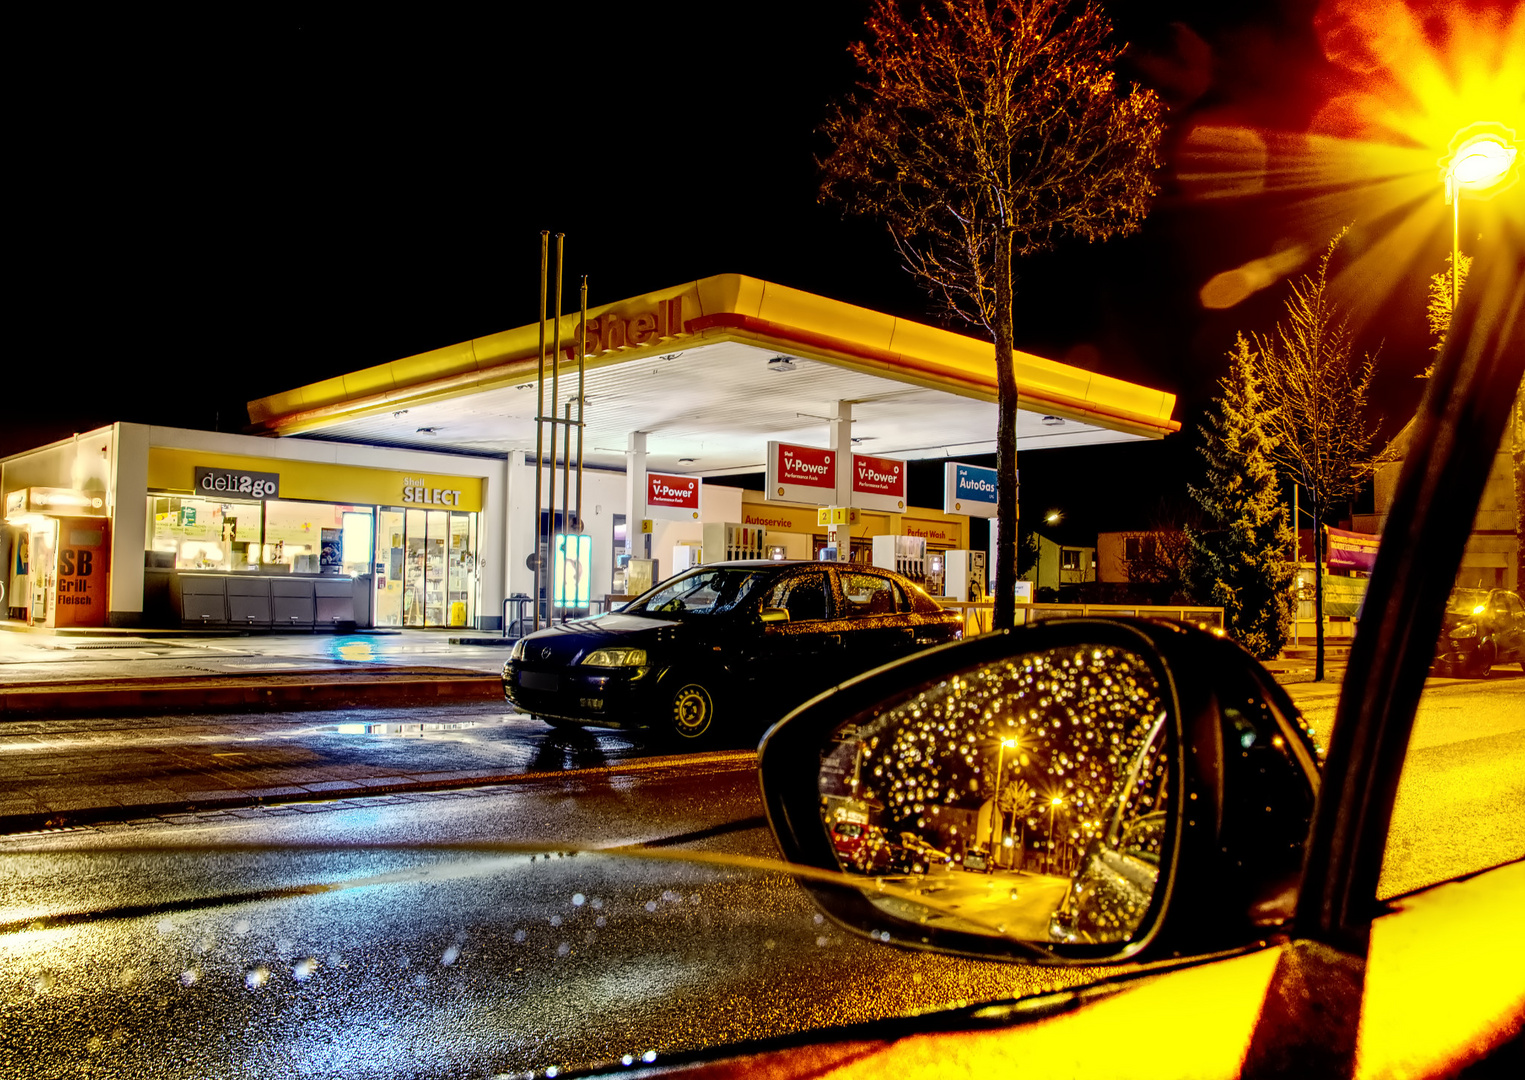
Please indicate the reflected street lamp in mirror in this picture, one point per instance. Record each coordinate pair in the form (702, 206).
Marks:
(1053, 804)
(996, 814)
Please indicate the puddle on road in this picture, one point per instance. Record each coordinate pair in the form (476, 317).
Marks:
(397, 730)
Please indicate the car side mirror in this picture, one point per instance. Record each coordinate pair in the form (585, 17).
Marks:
(1079, 791)
(773, 615)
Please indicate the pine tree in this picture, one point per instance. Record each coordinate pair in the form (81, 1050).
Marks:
(1241, 559)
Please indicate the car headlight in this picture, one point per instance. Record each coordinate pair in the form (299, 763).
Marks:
(1467, 631)
(517, 653)
(615, 658)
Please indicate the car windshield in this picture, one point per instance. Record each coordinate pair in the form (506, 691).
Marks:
(406, 780)
(705, 591)
(1467, 602)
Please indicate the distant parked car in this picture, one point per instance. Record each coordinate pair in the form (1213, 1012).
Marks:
(726, 644)
(1482, 628)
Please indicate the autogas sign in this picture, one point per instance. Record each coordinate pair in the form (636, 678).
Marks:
(806, 474)
(878, 483)
(968, 489)
(673, 497)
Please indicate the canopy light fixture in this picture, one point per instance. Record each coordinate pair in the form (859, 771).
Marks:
(1053, 421)
(399, 414)
(428, 431)
(686, 460)
(781, 363)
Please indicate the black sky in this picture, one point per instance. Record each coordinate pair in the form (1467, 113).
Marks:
(220, 210)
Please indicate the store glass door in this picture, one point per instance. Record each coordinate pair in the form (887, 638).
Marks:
(434, 567)
(414, 570)
(389, 564)
(463, 570)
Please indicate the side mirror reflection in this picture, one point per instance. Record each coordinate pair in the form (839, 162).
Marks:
(1027, 798)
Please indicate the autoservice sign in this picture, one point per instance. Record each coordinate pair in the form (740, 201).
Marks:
(806, 474)
(968, 489)
(879, 483)
(673, 497)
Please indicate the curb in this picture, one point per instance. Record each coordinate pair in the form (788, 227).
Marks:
(13, 826)
(219, 693)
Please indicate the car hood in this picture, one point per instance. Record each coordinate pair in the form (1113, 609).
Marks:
(562, 643)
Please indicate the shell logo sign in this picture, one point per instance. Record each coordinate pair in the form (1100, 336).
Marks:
(671, 496)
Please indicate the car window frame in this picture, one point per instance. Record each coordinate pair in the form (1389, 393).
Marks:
(1457, 430)
(795, 574)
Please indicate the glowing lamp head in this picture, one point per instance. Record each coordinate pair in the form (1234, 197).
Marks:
(1008, 743)
(1481, 159)
(1056, 801)
(1482, 164)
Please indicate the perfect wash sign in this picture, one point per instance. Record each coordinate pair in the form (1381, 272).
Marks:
(968, 489)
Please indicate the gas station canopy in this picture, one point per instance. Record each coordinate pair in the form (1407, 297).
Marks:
(711, 371)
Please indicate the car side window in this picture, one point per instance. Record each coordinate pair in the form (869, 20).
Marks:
(869, 594)
(804, 596)
(1140, 827)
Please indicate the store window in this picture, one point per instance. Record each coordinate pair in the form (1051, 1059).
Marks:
(199, 534)
(315, 538)
(1069, 559)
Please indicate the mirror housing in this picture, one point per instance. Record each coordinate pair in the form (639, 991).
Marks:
(1241, 763)
(773, 615)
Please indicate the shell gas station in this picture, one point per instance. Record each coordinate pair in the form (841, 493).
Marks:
(412, 487)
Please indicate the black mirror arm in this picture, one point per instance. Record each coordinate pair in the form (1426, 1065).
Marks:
(1460, 424)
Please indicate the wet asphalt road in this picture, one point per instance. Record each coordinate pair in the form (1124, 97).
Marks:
(209, 960)
(261, 942)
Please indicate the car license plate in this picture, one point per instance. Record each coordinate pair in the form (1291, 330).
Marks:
(539, 680)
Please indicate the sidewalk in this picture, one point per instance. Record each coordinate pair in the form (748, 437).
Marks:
(118, 673)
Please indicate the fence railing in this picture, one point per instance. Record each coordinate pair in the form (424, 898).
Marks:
(979, 613)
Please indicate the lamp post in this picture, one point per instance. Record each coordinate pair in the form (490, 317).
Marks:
(1053, 804)
(1053, 517)
(1476, 164)
(995, 801)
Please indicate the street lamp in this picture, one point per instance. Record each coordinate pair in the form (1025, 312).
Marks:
(1053, 804)
(1477, 163)
(995, 802)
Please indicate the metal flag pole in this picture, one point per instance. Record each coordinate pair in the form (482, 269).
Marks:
(539, 419)
(566, 476)
(582, 359)
(550, 599)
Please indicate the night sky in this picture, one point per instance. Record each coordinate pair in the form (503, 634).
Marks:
(218, 210)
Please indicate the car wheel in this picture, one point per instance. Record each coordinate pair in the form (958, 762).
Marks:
(1483, 659)
(691, 713)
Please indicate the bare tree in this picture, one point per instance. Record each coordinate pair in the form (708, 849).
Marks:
(1314, 391)
(1437, 312)
(980, 131)
(1438, 315)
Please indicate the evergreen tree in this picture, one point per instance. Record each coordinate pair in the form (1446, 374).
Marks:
(1241, 558)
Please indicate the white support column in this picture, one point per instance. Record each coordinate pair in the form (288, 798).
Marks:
(842, 446)
(129, 522)
(637, 543)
